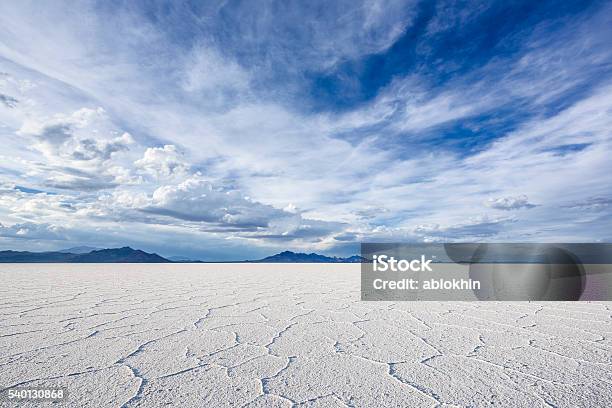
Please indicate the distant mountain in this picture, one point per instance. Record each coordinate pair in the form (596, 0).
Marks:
(34, 257)
(113, 255)
(119, 255)
(79, 250)
(293, 257)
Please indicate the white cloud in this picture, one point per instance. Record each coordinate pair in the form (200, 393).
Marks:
(591, 204)
(36, 206)
(162, 162)
(509, 203)
(473, 229)
(195, 199)
(35, 231)
(90, 149)
(206, 70)
(74, 137)
(78, 149)
(196, 203)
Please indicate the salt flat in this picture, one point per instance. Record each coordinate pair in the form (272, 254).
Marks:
(277, 335)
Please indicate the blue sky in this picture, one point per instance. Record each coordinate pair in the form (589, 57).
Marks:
(232, 130)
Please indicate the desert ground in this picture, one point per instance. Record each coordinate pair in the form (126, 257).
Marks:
(282, 335)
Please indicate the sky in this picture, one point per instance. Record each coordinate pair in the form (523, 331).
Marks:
(226, 130)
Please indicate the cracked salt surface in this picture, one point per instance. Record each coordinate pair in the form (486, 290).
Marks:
(274, 335)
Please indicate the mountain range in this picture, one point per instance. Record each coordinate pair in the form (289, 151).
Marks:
(293, 257)
(130, 255)
(112, 255)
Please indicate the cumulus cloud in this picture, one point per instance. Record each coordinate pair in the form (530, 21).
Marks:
(90, 149)
(163, 162)
(33, 231)
(60, 139)
(291, 208)
(37, 207)
(78, 149)
(195, 199)
(212, 209)
(509, 203)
